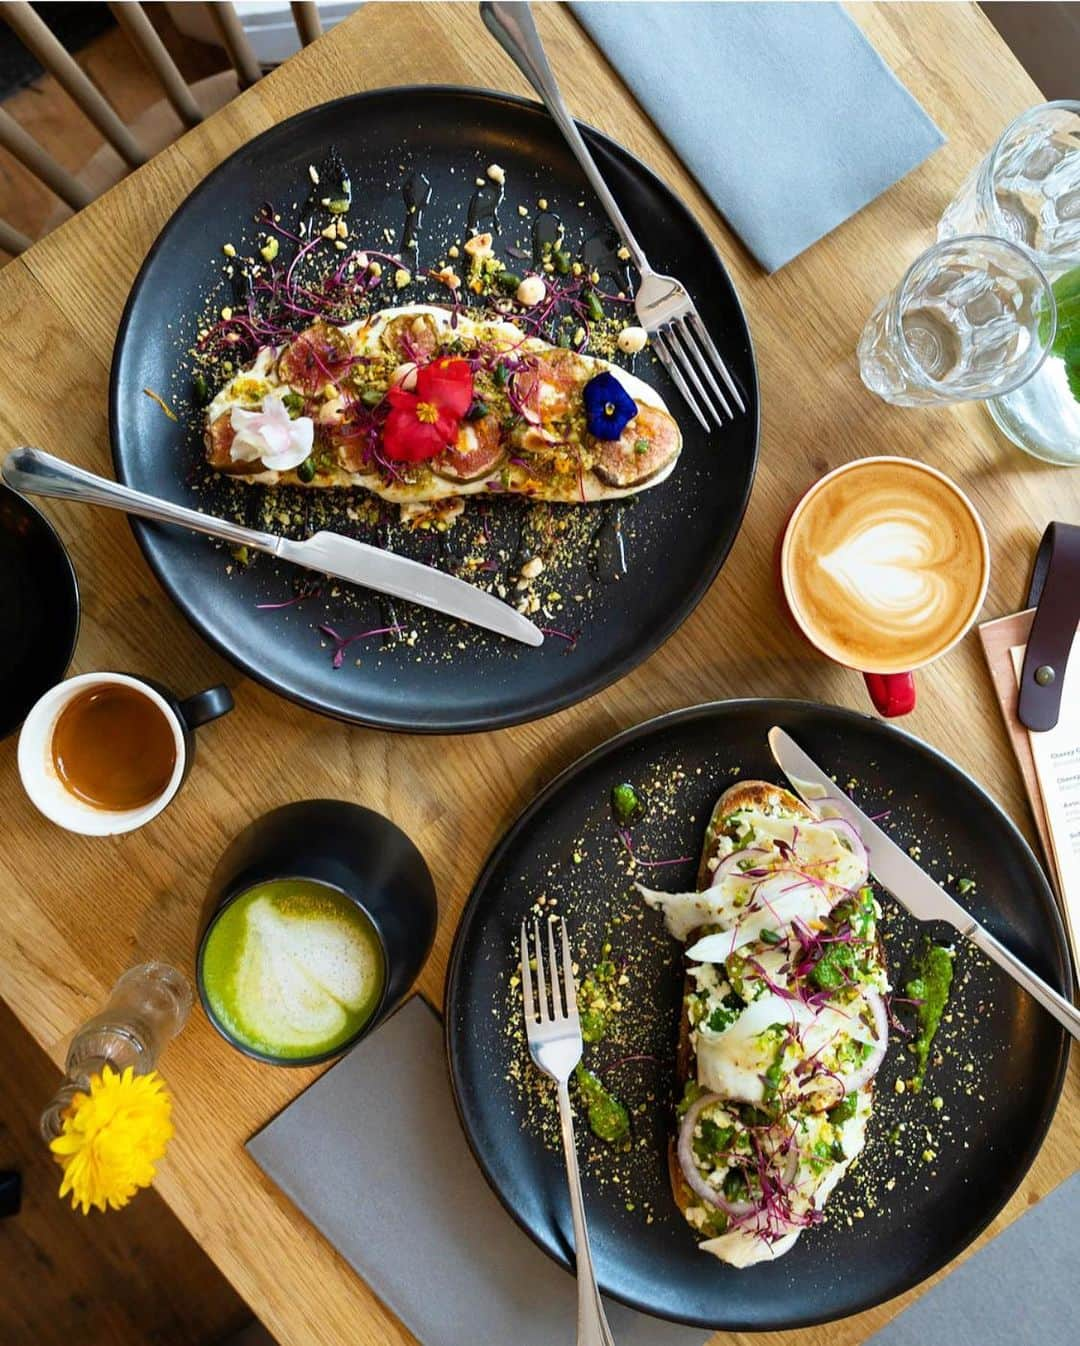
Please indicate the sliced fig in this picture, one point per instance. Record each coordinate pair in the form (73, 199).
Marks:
(412, 338)
(559, 379)
(477, 453)
(218, 438)
(647, 445)
(321, 354)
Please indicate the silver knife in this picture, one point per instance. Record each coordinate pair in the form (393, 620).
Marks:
(912, 887)
(34, 472)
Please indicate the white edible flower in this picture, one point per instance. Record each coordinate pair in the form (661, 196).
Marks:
(531, 291)
(270, 435)
(632, 340)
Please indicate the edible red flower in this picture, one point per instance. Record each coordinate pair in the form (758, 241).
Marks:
(424, 422)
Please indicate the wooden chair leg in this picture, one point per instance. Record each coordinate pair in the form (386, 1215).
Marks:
(144, 37)
(11, 240)
(235, 42)
(33, 31)
(30, 154)
(308, 23)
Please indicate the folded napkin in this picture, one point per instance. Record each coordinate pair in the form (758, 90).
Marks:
(784, 113)
(373, 1154)
(1019, 1289)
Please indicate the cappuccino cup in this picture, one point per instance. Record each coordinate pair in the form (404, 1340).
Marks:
(884, 565)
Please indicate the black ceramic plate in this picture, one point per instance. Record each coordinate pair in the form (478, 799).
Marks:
(998, 1082)
(675, 537)
(39, 608)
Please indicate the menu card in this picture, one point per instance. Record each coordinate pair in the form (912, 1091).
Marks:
(1049, 760)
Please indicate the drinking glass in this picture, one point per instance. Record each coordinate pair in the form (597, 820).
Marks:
(1027, 189)
(972, 318)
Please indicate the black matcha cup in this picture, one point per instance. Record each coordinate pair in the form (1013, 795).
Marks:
(353, 850)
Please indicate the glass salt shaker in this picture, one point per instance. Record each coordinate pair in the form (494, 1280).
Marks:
(148, 1006)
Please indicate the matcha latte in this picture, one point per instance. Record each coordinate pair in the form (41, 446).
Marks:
(292, 969)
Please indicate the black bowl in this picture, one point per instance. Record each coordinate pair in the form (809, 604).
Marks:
(349, 848)
(39, 608)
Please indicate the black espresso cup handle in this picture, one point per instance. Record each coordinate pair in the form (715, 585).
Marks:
(205, 706)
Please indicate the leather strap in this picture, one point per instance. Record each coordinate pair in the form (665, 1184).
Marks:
(1055, 593)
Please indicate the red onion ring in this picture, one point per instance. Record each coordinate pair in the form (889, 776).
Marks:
(712, 1195)
(850, 833)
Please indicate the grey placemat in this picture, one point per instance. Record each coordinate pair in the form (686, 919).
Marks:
(785, 114)
(373, 1154)
(1020, 1290)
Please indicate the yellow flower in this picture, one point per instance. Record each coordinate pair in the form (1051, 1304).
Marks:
(112, 1138)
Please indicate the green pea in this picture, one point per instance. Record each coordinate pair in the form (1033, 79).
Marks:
(371, 397)
(562, 262)
(593, 306)
(201, 387)
(509, 280)
(306, 470)
(501, 375)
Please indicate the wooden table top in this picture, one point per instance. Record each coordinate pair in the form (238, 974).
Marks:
(77, 911)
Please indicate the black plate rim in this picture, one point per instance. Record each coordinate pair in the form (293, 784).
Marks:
(778, 706)
(42, 520)
(681, 610)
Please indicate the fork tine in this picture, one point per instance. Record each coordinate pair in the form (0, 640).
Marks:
(691, 373)
(570, 990)
(687, 396)
(526, 977)
(690, 342)
(541, 984)
(714, 355)
(553, 967)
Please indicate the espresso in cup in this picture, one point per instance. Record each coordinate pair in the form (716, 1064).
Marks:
(104, 753)
(884, 566)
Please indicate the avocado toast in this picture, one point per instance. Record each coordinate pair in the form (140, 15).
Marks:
(784, 1022)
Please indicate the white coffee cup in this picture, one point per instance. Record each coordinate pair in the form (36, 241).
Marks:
(49, 793)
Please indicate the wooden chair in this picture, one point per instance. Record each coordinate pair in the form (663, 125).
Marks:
(132, 149)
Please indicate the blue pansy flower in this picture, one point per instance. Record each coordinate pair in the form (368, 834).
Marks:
(609, 408)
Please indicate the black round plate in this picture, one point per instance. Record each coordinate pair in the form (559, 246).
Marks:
(39, 608)
(1004, 1059)
(677, 535)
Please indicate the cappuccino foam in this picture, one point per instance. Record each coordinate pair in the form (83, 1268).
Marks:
(884, 565)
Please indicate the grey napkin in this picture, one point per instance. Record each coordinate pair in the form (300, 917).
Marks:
(1018, 1291)
(373, 1154)
(784, 113)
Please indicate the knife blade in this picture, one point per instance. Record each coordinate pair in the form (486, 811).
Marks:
(34, 472)
(908, 882)
(348, 559)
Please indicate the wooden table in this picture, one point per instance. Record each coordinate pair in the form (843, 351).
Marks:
(76, 912)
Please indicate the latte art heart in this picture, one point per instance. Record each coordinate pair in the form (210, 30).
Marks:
(891, 571)
(884, 565)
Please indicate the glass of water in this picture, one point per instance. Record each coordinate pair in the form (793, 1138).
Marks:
(1027, 189)
(973, 318)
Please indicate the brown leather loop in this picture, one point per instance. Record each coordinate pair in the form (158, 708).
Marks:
(1055, 588)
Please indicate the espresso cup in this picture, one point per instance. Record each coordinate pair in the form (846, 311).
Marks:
(318, 919)
(57, 801)
(884, 565)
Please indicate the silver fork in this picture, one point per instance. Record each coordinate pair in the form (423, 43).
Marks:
(555, 1046)
(664, 307)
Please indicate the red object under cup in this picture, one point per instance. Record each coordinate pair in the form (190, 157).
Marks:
(891, 693)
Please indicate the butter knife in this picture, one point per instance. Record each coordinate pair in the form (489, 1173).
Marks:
(34, 472)
(912, 887)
